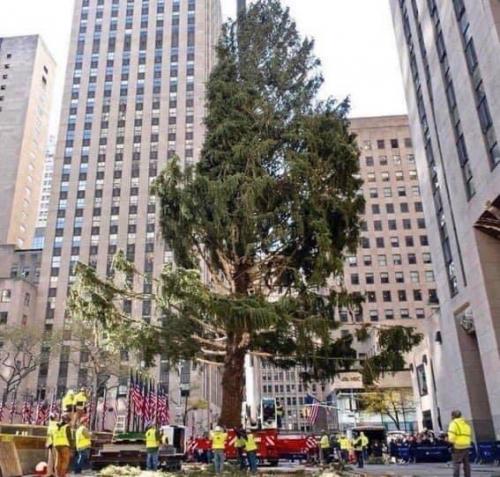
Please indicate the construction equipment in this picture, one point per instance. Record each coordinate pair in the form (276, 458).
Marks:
(130, 449)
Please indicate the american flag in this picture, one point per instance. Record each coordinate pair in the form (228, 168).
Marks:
(163, 414)
(27, 411)
(149, 402)
(42, 413)
(137, 397)
(55, 409)
(313, 405)
(153, 404)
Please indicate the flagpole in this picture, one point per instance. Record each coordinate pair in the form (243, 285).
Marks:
(129, 401)
(103, 417)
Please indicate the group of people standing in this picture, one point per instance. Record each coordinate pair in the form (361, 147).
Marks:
(245, 444)
(68, 438)
(341, 446)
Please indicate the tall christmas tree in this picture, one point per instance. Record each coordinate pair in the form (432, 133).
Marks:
(268, 214)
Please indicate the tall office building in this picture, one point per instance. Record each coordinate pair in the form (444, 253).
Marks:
(27, 73)
(392, 268)
(134, 96)
(449, 54)
(43, 204)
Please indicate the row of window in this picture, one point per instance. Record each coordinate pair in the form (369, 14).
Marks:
(371, 296)
(386, 176)
(396, 259)
(399, 277)
(404, 314)
(429, 150)
(463, 155)
(401, 191)
(482, 106)
(382, 143)
(409, 241)
(383, 161)
(392, 224)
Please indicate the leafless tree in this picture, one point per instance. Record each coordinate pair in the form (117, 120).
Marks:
(24, 350)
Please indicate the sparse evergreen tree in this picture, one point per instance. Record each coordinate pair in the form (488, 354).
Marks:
(267, 214)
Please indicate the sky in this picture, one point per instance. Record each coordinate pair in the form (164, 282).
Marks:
(354, 40)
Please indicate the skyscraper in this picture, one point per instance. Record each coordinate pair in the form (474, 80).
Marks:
(133, 98)
(449, 54)
(43, 204)
(392, 268)
(27, 72)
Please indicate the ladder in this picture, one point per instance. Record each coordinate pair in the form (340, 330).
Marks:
(120, 424)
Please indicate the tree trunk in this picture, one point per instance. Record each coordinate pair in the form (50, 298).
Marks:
(233, 382)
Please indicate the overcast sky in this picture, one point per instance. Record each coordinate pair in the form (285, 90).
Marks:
(354, 40)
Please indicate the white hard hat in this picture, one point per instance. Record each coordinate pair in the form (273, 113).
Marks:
(218, 429)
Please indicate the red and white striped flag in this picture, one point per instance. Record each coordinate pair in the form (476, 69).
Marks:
(314, 406)
(27, 412)
(42, 413)
(1, 411)
(163, 414)
(137, 399)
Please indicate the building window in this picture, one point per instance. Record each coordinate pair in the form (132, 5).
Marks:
(422, 381)
(6, 296)
(3, 317)
(394, 143)
(354, 279)
(373, 315)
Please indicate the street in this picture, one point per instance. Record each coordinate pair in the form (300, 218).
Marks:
(427, 470)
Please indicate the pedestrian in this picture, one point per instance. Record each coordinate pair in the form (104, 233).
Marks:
(218, 438)
(49, 444)
(324, 448)
(83, 444)
(280, 412)
(358, 450)
(345, 446)
(460, 437)
(240, 447)
(62, 440)
(251, 450)
(153, 442)
(365, 441)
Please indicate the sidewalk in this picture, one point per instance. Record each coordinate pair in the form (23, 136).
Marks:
(422, 470)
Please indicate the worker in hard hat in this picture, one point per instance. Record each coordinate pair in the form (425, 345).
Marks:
(83, 444)
(218, 438)
(62, 440)
(68, 405)
(153, 443)
(49, 444)
(81, 400)
(68, 402)
(324, 448)
(345, 446)
(239, 444)
(251, 450)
